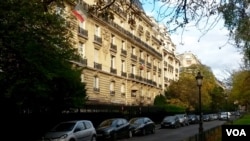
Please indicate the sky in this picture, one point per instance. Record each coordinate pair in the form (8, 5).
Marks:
(211, 49)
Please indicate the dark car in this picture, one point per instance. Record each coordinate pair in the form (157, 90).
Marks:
(170, 122)
(206, 117)
(193, 119)
(142, 125)
(114, 128)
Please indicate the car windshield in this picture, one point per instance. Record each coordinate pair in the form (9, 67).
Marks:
(169, 118)
(136, 121)
(181, 116)
(108, 122)
(191, 116)
(63, 127)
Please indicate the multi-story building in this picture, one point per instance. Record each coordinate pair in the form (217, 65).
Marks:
(187, 59)
(126, 58)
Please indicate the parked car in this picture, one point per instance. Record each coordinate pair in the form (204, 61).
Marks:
(170, 122)
(193, 119)
(206, 117)
(77, 130)
(183, 119)
(224, 116)
(113, 129)
(142, 125)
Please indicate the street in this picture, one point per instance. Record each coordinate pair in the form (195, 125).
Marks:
(178, 134)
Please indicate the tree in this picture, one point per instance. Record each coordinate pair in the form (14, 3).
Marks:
(240, 91)
(184, 92)
(35, 53)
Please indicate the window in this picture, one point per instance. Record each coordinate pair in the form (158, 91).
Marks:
(123, 88)
(112, 86)
(96, 55)
(112, 61)
(148, 59)
(81, 49)
(81, 24)
(96, 82)
(133, 69)
(97, 30)
(82, 77)
(80, 126)
(123, 66)
(159, 80)
(112, 39)
(123, 45)
(133, 51)
(141, 54)
(88, 125)
(159, 64)
(154, 62)
(148, 75)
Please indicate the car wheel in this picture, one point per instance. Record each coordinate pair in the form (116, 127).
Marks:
(114, 137)
(130, 134)
(143, 132)
(153, 130)
(93, 138)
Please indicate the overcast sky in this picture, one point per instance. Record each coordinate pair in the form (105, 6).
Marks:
(211, 49)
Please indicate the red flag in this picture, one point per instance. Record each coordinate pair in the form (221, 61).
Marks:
(79, 12)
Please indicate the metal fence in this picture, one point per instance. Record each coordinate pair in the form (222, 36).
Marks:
(213, 134)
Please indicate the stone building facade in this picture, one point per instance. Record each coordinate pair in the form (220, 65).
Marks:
(123, 63)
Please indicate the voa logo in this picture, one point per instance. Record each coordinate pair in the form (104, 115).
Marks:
(236, 132)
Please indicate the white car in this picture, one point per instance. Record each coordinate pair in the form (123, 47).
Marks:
(224, 116)
(78, 130)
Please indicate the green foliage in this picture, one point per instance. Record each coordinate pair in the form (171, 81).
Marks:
(217, 99)
(174, 109)
(244, 120)
(240, 87)
(35, 48)
(236, 15)
(184, 92)
(160, 100)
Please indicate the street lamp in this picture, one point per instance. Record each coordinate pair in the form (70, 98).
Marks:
(226, 97)
(199, 78)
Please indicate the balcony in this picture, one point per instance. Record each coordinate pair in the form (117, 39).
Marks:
(113, 47)
(154, 67)
(133, 57)
(82, 32)
(96, 89)
(97, 39)
(133, 94)
(148, 64)
(159, 69)
(112, 92)
(123, 52)
(97, 66)
(141, 60)
(132, 76)
(113, 70)
(123, 94)
(83, 61)
(124, 74)
(165, 64)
